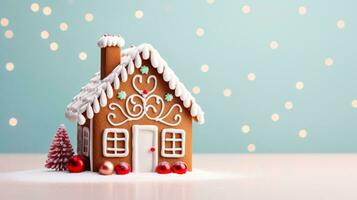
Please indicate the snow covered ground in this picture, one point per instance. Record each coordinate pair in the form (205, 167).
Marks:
(217, 177)
(48, 176)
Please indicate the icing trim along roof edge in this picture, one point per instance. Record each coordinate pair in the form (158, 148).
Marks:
(94, 94)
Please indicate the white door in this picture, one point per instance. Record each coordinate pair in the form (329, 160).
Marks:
(145, 151)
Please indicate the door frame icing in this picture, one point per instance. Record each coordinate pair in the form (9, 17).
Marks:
(136, 131)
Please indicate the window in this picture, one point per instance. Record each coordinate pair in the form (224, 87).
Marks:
(85, 145)
(79, 139)
(173, 143)
(115, 142)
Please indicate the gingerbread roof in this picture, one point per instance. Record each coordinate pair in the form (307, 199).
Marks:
(94, 94)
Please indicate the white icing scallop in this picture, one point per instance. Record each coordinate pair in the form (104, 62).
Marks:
(187, 102)
(111, 40)
(167, 74)
(110, 43)
(90, 113)
(81, 119)
(96, 107)
(124, 74)
(131, 68)
(160, 69)
(160, 63)
(194, 110)
(172, 84)
(154, 59)
(137, 60)
(183, 95)
(200, 117)
(146, 53)
(103, 99)
(109, 91)
(102, 42)
(116, 82)
(178, 90)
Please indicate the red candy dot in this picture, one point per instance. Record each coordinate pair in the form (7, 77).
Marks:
(163, 168)
(152, 149)
(122, 168)
(145, 92)
(179, 167)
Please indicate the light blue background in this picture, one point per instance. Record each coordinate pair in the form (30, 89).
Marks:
(234, 44)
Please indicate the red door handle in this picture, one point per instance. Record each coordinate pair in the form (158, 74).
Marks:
(152, 149)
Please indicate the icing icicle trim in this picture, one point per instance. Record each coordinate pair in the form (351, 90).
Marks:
(96, 93)
(90, 113)
(109, 91)
(116, 82)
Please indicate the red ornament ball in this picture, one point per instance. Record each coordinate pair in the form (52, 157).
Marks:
(76, 164)
(145, 92)
(179, 167)
(163, 168)
(122, 168)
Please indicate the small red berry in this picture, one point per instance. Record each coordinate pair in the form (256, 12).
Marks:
(163, 168)
(152, 149)
(179, 167)
(122, 168)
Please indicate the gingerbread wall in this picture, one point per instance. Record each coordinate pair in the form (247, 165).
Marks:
(100, 122)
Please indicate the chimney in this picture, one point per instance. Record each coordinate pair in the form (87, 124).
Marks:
(110, 53)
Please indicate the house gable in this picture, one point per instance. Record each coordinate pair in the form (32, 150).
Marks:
(130, 104)
(94, 96)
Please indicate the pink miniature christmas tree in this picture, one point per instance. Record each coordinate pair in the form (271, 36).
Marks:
(60, 151)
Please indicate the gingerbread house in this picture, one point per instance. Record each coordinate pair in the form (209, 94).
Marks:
(135, 110)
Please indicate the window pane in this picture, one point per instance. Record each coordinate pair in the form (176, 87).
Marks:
(120, 144)
(169, 152)
(110, 144)
(120, 135)
(168, 144)
(178, 144)
(110, 135)
(168, 135)
(178, 135)
(110, 151)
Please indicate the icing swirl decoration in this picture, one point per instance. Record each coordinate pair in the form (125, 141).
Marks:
(138, 105)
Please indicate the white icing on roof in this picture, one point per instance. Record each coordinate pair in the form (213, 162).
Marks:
(111, 41)
(87, 100)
